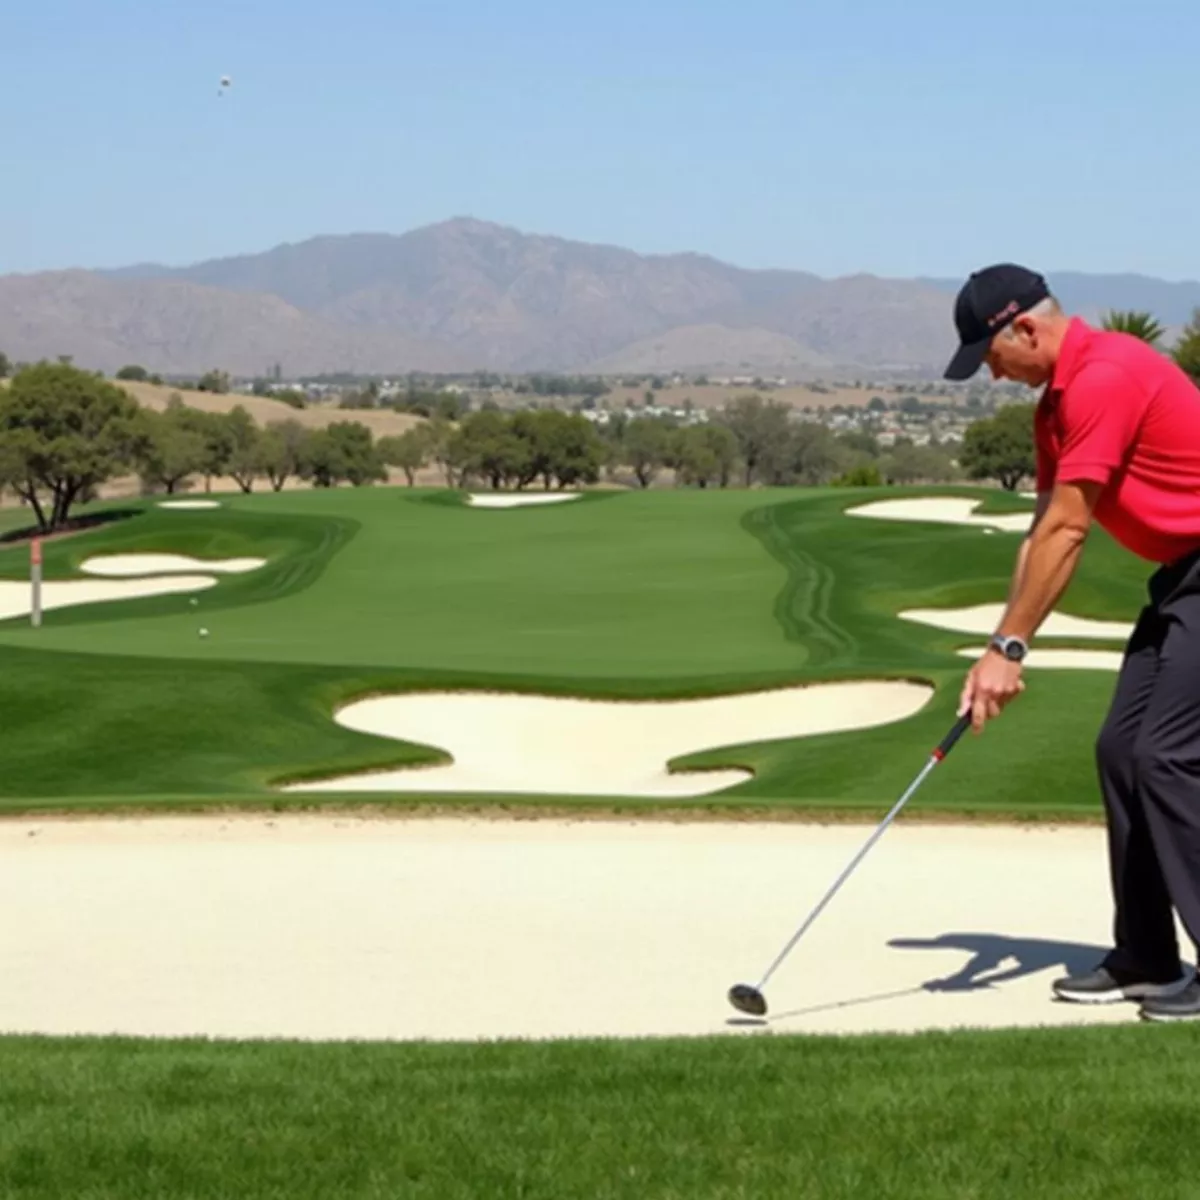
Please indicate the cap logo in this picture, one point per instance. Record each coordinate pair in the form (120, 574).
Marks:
(1007, 311)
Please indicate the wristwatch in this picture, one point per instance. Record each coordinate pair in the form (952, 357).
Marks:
(1013, 648)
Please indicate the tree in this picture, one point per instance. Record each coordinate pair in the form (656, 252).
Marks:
(864, 475)
(133, 374)
(213, 381)
(170, 449)
(5, 366)
(860, 442)
(814, 456)
(1138, 324)
(345, 450)
(760, 427)
(217, 433)
(1001, 447)
(281, 451)
(647, 447)
(562, 447)
(409, 451)
(1186, 351)
(704, 454)
(63, 432)
(244, 460)
(486, 445)
(917, 464)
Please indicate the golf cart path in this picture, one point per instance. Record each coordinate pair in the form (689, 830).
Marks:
(334, 927)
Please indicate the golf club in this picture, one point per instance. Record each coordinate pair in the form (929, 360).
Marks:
(749, 999)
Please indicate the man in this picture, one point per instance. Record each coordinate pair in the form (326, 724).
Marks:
(1117, 431)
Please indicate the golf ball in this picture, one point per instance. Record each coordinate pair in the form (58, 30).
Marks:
(204, 633)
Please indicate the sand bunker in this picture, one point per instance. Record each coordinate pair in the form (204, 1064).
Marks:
(517, 499)
(942, 510)
(120, 565)
(189, 504)
(16, 599)
(1077, 660)
(527, 744)
(456, 929)
(983, 618)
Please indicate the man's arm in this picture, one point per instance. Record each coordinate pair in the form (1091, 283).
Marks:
(1049, 556)
(1043, 503)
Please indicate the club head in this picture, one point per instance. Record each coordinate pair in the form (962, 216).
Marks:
(748, 999)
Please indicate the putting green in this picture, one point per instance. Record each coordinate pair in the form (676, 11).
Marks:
(633, 595)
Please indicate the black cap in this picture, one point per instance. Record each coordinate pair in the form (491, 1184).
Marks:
(989, 301)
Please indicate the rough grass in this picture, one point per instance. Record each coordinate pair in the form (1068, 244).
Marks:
(1071, 1114)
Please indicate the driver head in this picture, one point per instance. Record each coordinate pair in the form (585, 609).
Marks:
(747, 999)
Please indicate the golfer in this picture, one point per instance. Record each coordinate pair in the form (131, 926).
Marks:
(1117, 433)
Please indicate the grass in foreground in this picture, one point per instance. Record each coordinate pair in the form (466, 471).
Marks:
(1054, 1114)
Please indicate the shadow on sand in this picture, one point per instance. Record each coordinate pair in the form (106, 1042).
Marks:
(987, 952)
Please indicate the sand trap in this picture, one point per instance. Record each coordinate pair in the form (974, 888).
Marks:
(942, 510)
(524, 744)
(189, 504)
(517, 500)
(16, 599)
(983, 618)
(330, 927)
(142, 564)
(1078, 660)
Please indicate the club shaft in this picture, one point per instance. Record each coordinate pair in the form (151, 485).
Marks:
(816, 912)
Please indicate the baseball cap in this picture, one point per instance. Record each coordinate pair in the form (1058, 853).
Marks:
(988, 301)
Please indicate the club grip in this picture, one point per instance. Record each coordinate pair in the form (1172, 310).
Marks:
(947, 743)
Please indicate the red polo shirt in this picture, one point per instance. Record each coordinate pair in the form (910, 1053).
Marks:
(1121, 413)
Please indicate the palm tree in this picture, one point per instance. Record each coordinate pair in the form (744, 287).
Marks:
(1139, 324)
(1186, 351)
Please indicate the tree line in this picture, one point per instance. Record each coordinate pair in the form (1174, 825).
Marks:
(64, 432)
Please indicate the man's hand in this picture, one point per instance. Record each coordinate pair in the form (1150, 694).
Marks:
(991, 684)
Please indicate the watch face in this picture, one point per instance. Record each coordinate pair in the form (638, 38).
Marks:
(1015, 651)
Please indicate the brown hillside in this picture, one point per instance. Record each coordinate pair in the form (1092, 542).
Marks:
(263, 410)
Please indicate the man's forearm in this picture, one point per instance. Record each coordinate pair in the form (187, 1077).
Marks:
(1045, 564)
(1018, 574)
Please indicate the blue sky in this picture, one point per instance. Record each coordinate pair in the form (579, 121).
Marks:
(923, 137)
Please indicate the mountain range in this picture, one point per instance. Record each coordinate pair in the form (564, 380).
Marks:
(468, 295)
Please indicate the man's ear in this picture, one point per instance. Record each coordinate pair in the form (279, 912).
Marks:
(1026, 328)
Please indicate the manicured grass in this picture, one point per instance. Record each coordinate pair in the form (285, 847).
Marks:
(1041, 1115)
(664, 594)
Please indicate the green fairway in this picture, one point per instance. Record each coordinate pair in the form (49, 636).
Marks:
(627, 595)
(1040, 1115)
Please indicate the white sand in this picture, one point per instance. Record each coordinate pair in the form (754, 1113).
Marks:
(983, 618)
(189, 504)
(942, 510)
(120, 565)
(328, 927)
(524, 744)
(16, 599)
(1078, 660)
(517, 499)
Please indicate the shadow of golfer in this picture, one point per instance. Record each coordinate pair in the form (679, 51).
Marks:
(988, 952)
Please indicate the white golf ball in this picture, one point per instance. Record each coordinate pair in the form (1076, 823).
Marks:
(204, 633)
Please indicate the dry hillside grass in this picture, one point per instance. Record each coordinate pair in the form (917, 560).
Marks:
(381, 423)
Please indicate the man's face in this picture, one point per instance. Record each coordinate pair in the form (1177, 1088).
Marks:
(1020, 354)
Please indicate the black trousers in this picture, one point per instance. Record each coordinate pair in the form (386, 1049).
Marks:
(1148, 755)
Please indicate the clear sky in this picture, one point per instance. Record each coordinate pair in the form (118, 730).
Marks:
(898, 137)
